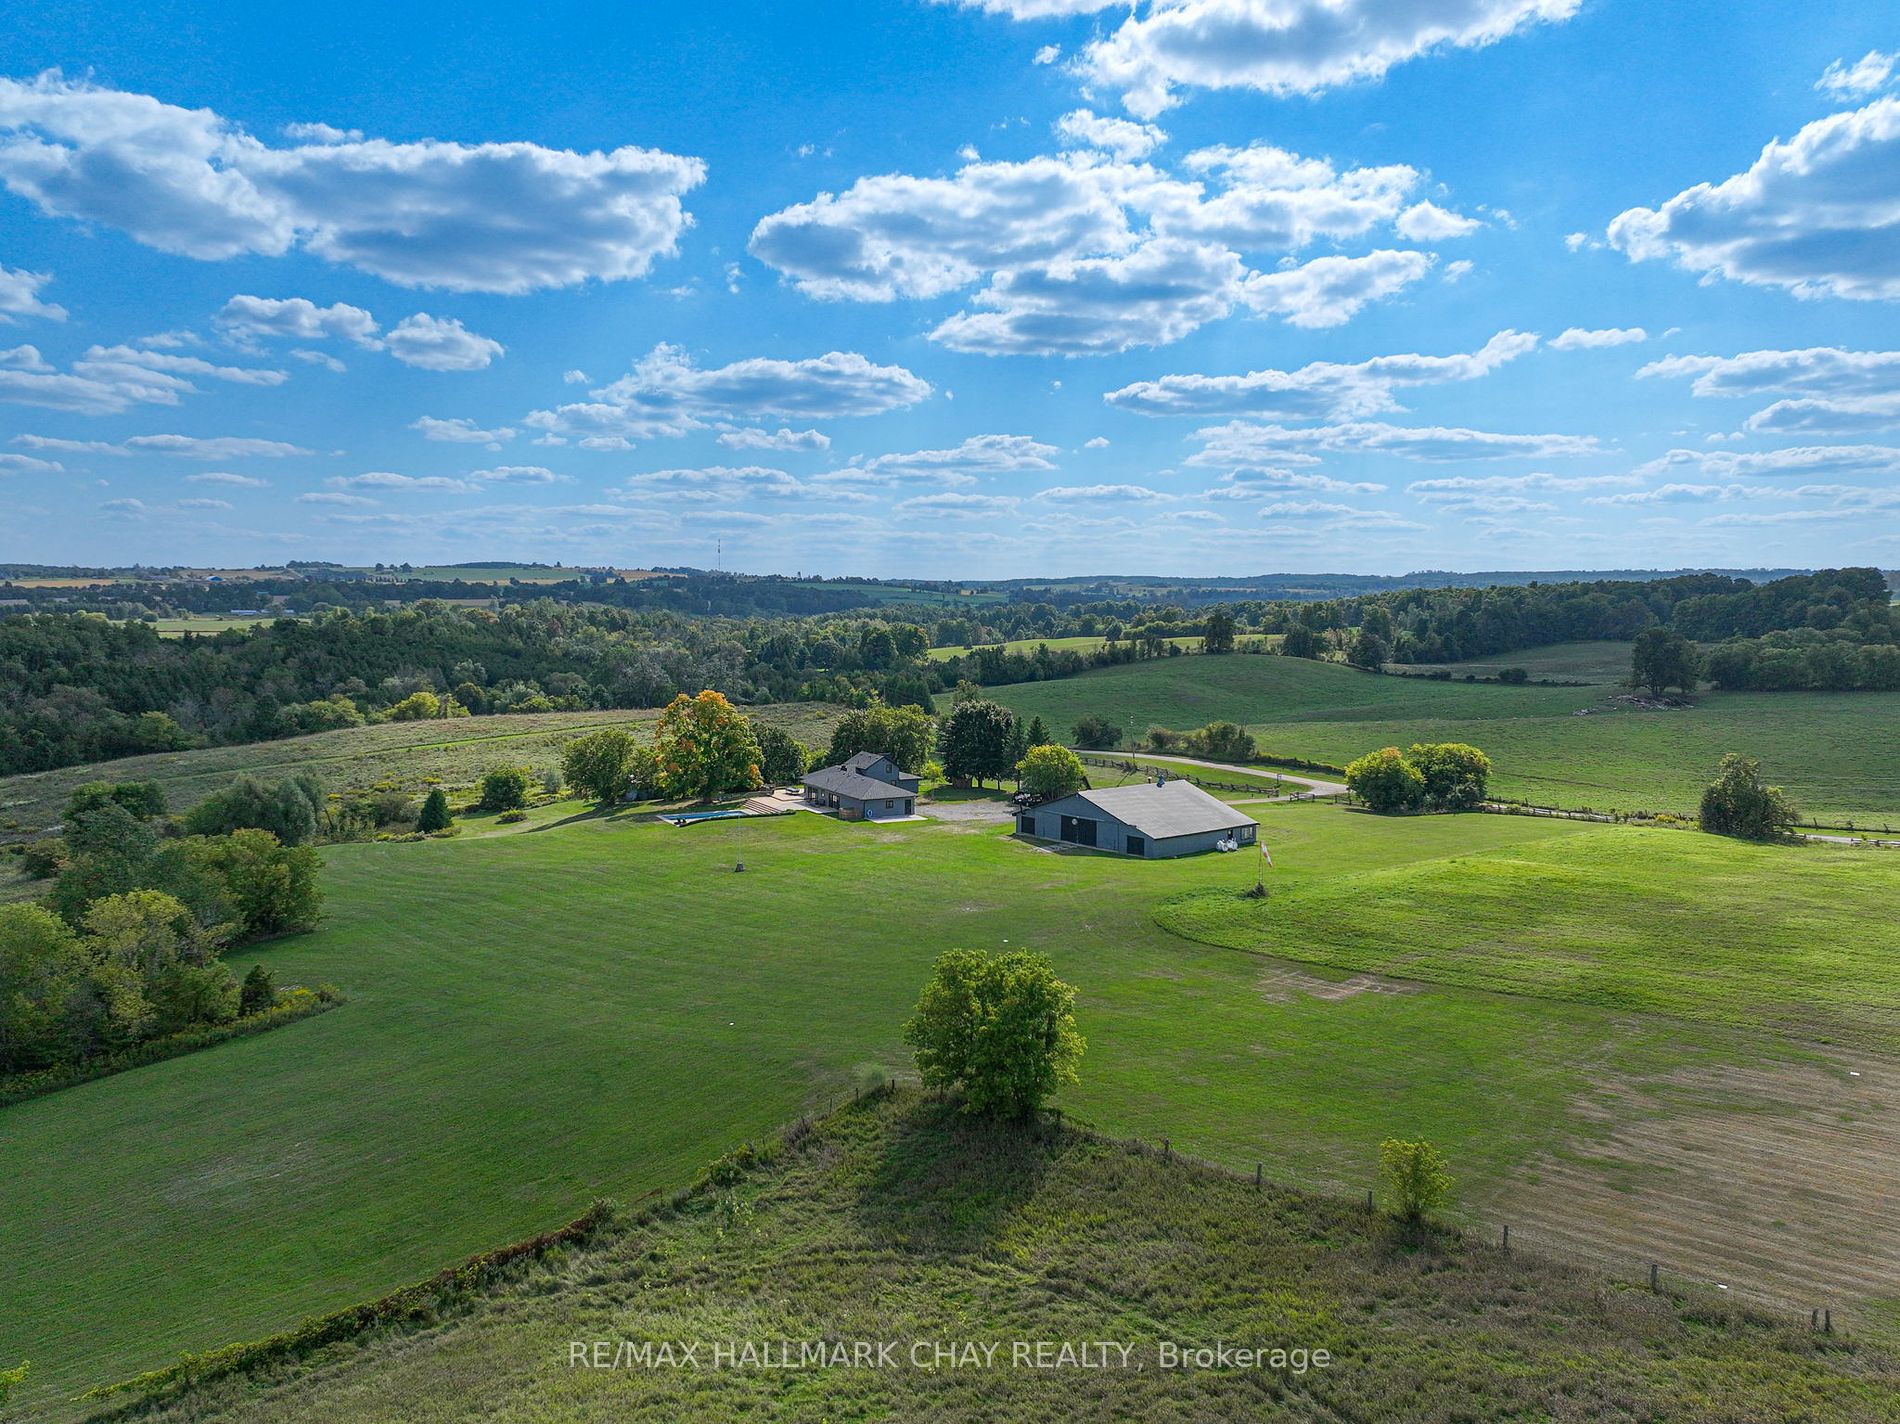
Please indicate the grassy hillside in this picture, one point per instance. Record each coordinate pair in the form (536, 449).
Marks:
(1602, 662)
(601, 1006)
(1055, 645)
(1833, 750)
(400, 753)
(897, 1221)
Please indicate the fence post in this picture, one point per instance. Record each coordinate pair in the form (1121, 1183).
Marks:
(1507, 1236)
(1368, 1198)
(1256, 1174)
(1827, 1321)
(1653, 1269)
(1167, 1150)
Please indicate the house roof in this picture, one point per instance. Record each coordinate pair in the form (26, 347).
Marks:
(1178, 808)
(858, 787)
(862, 760)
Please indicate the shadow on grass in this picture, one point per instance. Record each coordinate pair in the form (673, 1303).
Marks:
(947, 1181)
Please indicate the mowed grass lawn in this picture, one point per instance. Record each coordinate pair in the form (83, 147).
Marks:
(1834, 751)
(600, 1007)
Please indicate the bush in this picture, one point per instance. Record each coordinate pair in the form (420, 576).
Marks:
(1049, 773)
(1096, 733)
(1222, 741)
(44, 858)
(1386, 781)
(1414, 1177)
(1456, 775)
(509, 818)
(1000, 1028)
(257, 993)
(504, 788)
(1513, 676)
(1738, 804)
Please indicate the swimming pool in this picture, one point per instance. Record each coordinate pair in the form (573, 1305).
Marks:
(688, 817)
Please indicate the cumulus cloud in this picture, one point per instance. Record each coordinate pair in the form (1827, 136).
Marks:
(215, 447)
(1817, 215)
(714, 484)
(957, 505)
(460, 431)
(491, 217)
(1329, 291)
(225, 477)
(784, 438)
(295, 319)
(1101, 494)
(1083, 128)
(666, 394)
(1320, 389)
(1864, 76)
(391, 480)
(1825, 371)
(1427, 222)
(958, 464)
(1087, 253)
(440, 344)
(20, 297)
(1264, 482)
(1283, 47)
(108, 379)
(1244, 443)
(1826, 460)
(28, 465)
(1095, 306)
(1851, 415)
(1577, 338)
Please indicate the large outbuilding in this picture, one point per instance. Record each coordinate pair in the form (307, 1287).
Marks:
(1153, 819)
(868, 787)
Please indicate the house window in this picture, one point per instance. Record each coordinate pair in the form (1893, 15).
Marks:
(1246, 835)
(1025, 825)
(1136, 846)
(889, 804)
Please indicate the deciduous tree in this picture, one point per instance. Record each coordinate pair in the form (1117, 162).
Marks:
(704, 747)
(1414, 1177)
(1048, 772)
(1385, 780)
(1739, 803)
(600, 764)
(998, 1028)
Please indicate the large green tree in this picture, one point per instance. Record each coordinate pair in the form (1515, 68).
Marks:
(782, 758)
(973, 741)
(1000, 1029)
(600, 764)
(1456, 775)
(1385, 780)
(1662, 658)
(704, 747)
(901, 733)
(1048, 773)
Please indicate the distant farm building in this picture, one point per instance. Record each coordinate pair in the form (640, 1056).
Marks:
(1153, 819)
(869, 787)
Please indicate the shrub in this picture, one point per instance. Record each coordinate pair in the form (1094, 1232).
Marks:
(1514, 676)
(257, 993)
(1097, 733)
(504, 788)
(1223, 741)
(1000, 1028)
(1737, 803)
(1386, 781)
(1455, 775)
(509, 818)
(1414, 1177)
(600, 764)
(44, 858)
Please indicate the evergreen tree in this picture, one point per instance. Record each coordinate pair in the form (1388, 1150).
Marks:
(435, 813)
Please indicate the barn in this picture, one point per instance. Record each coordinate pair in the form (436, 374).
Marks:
(1153, 819)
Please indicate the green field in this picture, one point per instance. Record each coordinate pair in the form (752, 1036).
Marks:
(1600, 662)
(895, 1220)
(209, 623)
(1055, 645)
(1834, 751)
(599, 1006)
(400, 754)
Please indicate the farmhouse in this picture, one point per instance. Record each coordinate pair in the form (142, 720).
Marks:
(868, 787)
(1153, 819)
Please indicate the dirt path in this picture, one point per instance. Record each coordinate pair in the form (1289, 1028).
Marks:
(1314, 787)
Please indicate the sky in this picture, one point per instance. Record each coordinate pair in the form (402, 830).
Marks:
(953, 288)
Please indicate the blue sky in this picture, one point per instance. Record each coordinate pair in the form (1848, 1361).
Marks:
(978, 287)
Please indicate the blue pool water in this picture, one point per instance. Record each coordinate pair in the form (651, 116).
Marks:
(687, 816)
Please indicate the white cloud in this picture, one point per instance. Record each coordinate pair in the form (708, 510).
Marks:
(1095, 442)
(715, 484)
(1834, 460)
(1048, 54)
(1817, 215)
(124, 508)
(1864, 76)
(1040, 9)
(666, 394)
(1464, 488)
(1577, 338)
(1083, 128)
(1852, 415)
(440, 344)
(957, 505)
(19, 296)
(28, 465)
(390, 480)
(225, 477)
(1814, 370)
(1329, 291)
(69, 447)
(296, 319)
(516, 475)
(1101, 494)
(460, 431)
(216, 447)
(1096, 306)
(959, 464)
(204, 504)
(318, 358)
(108, 379)
(784, 438)
(1427, 222)
(494, 217)
(1242, 443)
(335, 497)
(1283, 47)
(1320, 389)
(1675, 494)
(1268, 482)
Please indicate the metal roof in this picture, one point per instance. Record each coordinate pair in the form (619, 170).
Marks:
(1178, 808)
(849, 783)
